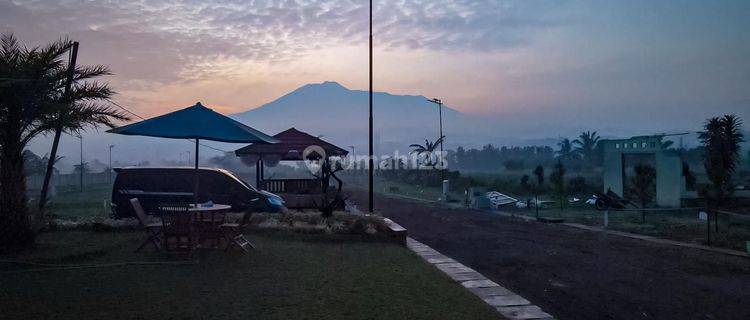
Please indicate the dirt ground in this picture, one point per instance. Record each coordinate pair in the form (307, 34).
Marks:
(578, 274)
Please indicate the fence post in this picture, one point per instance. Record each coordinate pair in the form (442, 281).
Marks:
(606, 218)
(716, 221)
(708, 227)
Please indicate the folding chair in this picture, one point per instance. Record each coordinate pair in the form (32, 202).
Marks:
(153, 229)
(178, 228)
(233, 233)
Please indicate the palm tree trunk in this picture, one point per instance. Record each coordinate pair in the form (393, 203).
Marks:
(15, 229)
(48, 175)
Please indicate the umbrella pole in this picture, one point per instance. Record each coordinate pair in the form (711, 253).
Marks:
(195, 187)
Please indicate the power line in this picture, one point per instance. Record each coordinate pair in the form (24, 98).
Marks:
(142, 118)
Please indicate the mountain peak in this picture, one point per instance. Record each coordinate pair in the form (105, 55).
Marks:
(329, 85)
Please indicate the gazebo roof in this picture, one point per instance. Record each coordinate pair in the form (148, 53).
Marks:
(291, 146)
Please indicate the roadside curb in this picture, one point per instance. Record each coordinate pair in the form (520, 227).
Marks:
(510, 305)
(635, 236)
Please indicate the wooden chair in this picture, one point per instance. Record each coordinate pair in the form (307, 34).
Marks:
(178, 228)
(233, 233)
(153, 229)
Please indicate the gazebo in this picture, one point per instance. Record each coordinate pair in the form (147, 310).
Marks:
(291, 147)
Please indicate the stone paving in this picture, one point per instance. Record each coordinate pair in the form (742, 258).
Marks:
(507, 303)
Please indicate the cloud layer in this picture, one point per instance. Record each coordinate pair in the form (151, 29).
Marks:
(165, 41)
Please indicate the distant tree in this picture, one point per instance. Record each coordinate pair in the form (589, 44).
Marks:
(539, 174)
(539, 187)
(721, 138)
(586, 146)
(689, 176)
(566, 152)
(557, 178)
(525, 182)
(642, 186)
(578, 185)
(81, 167)
(427, 152)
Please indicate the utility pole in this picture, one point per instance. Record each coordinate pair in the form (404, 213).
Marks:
(109, 178)
(58, 129)
(371, 164)
(440, 113)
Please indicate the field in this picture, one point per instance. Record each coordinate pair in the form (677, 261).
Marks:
(731, 232)
(71, 204)
(288, 276)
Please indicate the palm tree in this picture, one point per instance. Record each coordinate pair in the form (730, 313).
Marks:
(721, 138)
(25, 75)
(427, 151)
(557, 178)
(586, 145)
(566, 152)
(30, 99)
(80, 109)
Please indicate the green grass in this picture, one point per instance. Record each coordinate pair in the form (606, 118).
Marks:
(289, 276)
(71, 204)
(680, 225)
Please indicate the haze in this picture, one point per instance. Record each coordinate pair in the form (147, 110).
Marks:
(547, 67)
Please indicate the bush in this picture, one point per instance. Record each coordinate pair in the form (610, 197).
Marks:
(312, 222)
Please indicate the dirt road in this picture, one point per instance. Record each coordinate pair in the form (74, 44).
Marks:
(577, 274)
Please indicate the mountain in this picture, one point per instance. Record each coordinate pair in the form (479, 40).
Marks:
(341, 116)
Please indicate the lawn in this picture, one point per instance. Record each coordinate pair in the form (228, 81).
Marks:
(681, 225)
(288, 276)
(71, 204)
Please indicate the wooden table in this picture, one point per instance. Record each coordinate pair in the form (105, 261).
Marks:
(209, 220)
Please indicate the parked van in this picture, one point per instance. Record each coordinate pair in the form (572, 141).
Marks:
(154, 186)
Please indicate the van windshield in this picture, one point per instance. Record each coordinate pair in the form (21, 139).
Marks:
(229, 173)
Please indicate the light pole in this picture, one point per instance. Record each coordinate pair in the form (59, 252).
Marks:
(440, 112)
(109, 178)
(81, 168)
(370, 159)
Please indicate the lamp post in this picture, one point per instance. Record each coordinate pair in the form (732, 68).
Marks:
(81, 168)
(440, 112)
(370, 159)
(109, 178)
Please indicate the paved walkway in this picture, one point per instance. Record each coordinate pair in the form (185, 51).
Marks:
(507, 303)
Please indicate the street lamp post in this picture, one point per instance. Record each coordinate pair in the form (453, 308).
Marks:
(440, 112)
(109, 178)
(370, 159)
(81, 168)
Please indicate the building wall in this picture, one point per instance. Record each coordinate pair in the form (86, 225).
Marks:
(669, 181)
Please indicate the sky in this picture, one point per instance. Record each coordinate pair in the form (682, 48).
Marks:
(646, 66)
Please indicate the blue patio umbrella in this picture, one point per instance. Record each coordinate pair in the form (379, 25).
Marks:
(195, 122)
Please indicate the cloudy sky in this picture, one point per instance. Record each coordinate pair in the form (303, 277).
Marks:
(644, 64)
